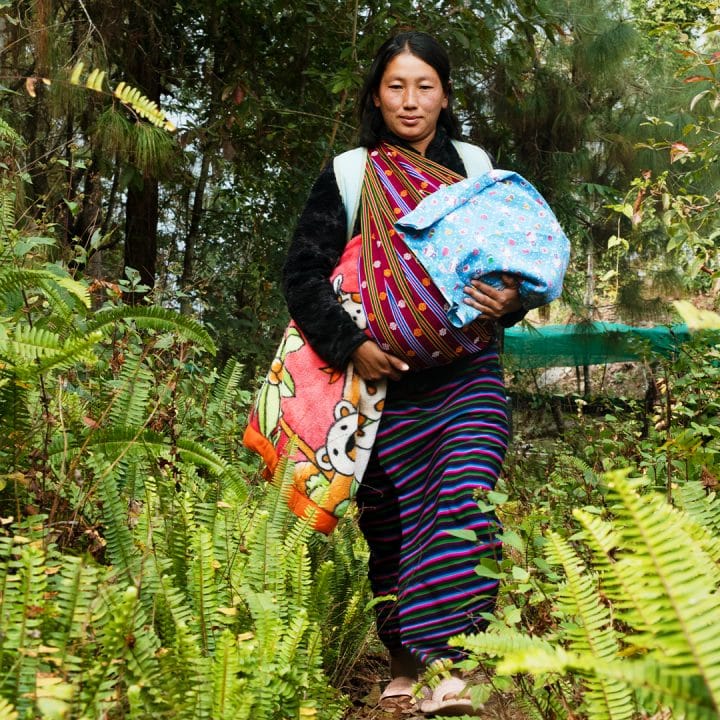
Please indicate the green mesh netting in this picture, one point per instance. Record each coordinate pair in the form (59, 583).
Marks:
(594, 343)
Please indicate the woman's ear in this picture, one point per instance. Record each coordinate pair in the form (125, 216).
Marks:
(376, 99)
(448, 92)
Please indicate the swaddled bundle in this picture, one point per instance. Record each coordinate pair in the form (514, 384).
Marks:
(482, 227)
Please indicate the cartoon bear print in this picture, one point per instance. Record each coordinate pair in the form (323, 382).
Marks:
(351, 303)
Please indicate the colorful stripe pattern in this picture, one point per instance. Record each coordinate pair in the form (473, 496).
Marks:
(436, 451)
(406, 312)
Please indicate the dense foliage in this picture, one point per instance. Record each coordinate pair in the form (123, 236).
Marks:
(145, 570)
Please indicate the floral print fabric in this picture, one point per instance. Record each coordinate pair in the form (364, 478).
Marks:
(484, 226)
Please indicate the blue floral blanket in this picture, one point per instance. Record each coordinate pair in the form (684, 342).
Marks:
(482, 227)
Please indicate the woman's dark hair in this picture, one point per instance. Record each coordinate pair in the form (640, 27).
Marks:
(422, 46)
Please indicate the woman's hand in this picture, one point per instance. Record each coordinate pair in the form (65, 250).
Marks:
(373, 364)
(494, 302)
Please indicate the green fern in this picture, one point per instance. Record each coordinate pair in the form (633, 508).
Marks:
(226, 385)
(702, 507)
(592, 632)
(129, 96)
(226, 669)
(153, 318)
(75, 586)
(619, 580)
(19, 651)
(7, 711)
(203, 587)
(130, 393)
(677, 576)
(7, 213)
(662, 582)
(34, 279)
(9, 135)
(120, 543)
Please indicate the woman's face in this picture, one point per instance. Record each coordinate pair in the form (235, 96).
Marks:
(410, 98)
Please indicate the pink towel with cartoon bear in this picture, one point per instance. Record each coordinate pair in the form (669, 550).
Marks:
(332, 420)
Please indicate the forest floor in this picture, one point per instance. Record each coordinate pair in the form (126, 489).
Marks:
(370, 677)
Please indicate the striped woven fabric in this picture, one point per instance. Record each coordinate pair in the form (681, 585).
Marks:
(406, 312)
(435, 452)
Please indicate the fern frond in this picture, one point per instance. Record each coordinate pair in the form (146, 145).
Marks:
(142, 105)
(685, 694)
(129, 96)
(7, 711)
(75, 588)
(120, 543)
(74, 352)
(203, 587)
(593, 633)
(9, 135)
(226, 668)
(321, 597)
(23, 633)
(288, 647)
(131, 392)
(265, 567)
(188, 677)
(496, 644)
(264, 612)
(7, 211)
(227, 383)
(38, 350)
(575, 464)
(68, 298)
(119, 441)
(175, 601)
(701, 507)
(676, 576)
(31, 279)
(30, 343)
(126, 642)
(197, 454)
(155, 318)
(619, 578)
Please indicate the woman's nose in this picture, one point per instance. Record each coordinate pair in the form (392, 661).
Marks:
(410, 97)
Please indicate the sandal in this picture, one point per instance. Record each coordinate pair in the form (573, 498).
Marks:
(447, 700)
(398, 695)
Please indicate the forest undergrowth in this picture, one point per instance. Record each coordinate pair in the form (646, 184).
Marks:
(599, 515)
(149, 570)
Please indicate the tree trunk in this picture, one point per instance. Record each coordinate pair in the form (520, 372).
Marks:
(196, 216)
(141, 219)
(142, 207)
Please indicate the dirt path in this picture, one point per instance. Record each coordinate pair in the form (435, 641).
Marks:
(370, 677)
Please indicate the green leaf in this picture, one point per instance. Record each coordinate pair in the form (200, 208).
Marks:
(520, 573)
(464, 534)
(497, 498)
(489, 568)
(696, 318)
(511, 538)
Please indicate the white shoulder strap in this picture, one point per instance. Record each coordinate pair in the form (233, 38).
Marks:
(475, 159)
(349, 170)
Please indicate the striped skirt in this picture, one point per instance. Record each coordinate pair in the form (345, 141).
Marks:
(439, 447)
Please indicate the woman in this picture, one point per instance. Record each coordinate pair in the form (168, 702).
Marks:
(443, 431)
